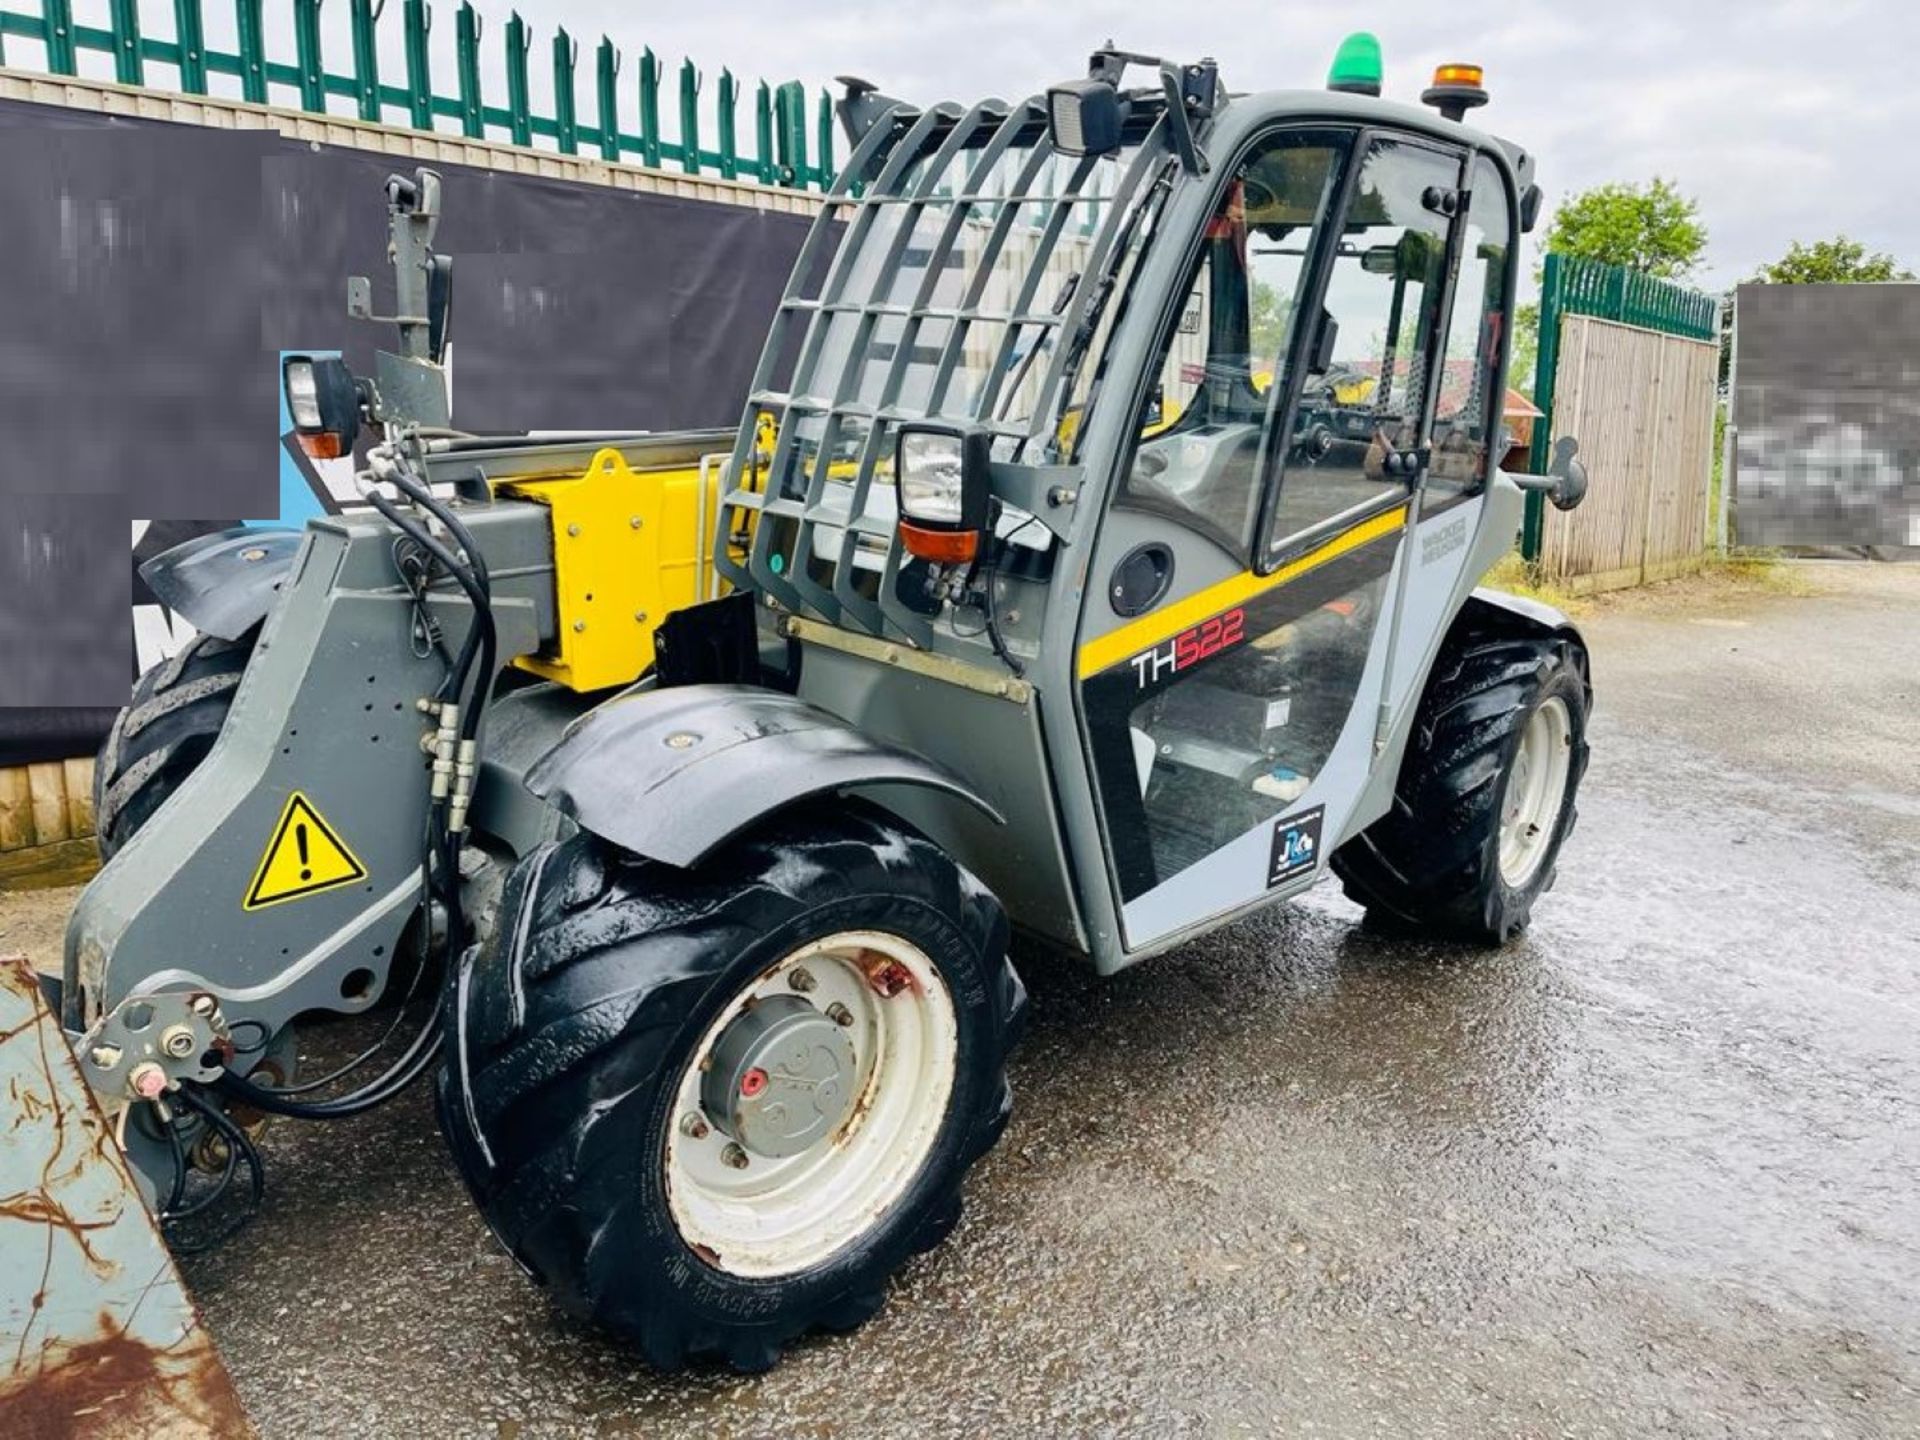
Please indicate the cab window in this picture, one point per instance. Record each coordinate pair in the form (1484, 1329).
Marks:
(1219, 375)
(1468, 416)
(1368, 369)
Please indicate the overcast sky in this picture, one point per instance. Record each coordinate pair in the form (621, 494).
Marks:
(1787, 119)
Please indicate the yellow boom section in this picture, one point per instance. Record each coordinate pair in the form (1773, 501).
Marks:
(629, 548)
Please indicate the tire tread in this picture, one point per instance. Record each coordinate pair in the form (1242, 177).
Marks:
(168, 726)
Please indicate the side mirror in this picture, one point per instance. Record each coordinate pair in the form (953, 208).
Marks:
(1324, 341)
(324, 401)
(1530, 200)
(1568, 474)
(1565, 479)
(1084, 117)
(439, 307)
(1380, 259)
(1565, 482)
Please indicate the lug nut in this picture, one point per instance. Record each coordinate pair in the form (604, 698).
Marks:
(178, 1041)
(888, 977)
(734, 1156)
(801, 980)
(693, 1125)
(839, 1014)
(203, 1004)
(147, 1080)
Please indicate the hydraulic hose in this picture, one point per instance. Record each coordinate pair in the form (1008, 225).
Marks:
(424, 1050)
(474, 663)
(483, 626)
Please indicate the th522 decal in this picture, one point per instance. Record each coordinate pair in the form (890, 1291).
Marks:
(1189, 647)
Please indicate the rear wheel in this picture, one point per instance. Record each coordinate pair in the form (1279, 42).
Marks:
(1486, 790)
(166, 730)
(714, 1109)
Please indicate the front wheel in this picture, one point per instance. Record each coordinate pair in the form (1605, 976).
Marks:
(714, 1109)
(1486, 792)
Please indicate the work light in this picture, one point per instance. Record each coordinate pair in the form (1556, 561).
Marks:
(1084, 117)
(940, 475)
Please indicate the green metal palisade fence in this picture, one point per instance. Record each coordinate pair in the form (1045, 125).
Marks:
(1573, 286)
(780, 141)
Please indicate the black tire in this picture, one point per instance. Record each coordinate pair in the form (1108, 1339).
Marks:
(1431, 864)
(569, 1028)
(164, 733)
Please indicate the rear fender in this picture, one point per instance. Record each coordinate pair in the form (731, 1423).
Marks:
(224, 584)
(672, 774)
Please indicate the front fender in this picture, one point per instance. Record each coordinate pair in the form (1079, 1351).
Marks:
(1520, 612)
(672, 774)
(224, 584)
(1517, 614)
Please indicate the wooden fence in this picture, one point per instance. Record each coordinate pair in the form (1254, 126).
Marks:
(1641, 405)
(46, 824)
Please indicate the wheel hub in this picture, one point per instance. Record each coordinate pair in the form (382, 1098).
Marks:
(780, 1077)
(1536, 792)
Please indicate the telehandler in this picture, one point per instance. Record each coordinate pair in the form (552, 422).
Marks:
(1096, 558)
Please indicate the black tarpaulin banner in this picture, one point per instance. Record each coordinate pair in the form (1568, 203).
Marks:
(155, 272)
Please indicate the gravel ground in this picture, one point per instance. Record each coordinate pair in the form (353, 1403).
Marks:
(1651, 1170)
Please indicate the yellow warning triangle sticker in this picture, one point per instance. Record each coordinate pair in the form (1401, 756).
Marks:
(304, 857)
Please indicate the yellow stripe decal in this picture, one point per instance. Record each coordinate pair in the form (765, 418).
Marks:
(1117, 646)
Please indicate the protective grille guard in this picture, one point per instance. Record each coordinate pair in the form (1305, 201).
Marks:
(779, 559)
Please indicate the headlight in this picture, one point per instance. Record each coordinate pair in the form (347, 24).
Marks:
(940, 480)
(931, 473)
(303, 395)
(324, 401)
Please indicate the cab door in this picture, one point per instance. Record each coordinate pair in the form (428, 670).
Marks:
(1231, 665)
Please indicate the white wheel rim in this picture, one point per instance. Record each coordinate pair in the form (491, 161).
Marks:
(780, 1216)
(1535, 792)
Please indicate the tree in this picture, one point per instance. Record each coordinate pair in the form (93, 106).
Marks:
(1651, 227)
(1838, 261)
(1267, 319)
(1525, 356)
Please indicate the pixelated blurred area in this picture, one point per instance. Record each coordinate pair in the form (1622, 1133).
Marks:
(131, 378)
(130, 354)
(1827, 407)
(154, 273)
(65, 589)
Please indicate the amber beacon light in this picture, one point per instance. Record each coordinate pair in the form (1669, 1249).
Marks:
(1456, 89)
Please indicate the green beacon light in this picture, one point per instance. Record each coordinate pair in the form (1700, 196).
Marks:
(1356, 65)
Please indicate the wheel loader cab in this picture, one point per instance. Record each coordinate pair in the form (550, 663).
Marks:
(1221, 369)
